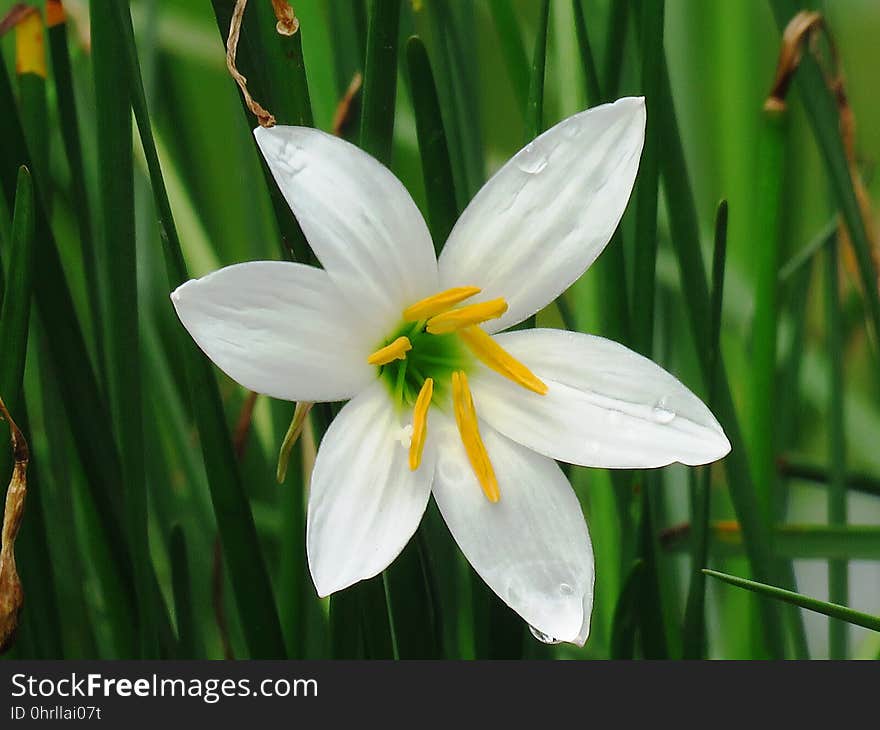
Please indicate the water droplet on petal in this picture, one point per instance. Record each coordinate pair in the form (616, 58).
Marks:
(545, 638)
(531, 159)
(565, 589)
(662, 413)
(572, 128)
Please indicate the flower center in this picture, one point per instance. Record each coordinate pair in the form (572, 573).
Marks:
(429, 355)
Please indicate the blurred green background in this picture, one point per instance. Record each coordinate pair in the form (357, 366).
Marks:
(721, 57)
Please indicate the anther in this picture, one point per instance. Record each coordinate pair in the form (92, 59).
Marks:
(420, 423)
(469, 430)
(437, 303)
(493, 356)
(472, 314)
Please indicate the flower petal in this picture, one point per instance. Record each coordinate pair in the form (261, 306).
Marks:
(364, 502)
(606, 406)
(358, 218)
(545, 216)
(532, 547)
(278, 328)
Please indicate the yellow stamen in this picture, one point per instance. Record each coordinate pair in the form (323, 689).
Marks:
(30, 55)
(456, 319)
(420, 423)
(438, 303)
(491, 354)
(395, 351)
(468, 428)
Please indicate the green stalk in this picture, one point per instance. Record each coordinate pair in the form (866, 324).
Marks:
(838, 580)
(183, 604)
(380, 80)
(238, 536)
(70, 136)
(768, 192)
(858, 481)
(615, 48)
(15, 298)
(694, 631)
(591, 75)
(31, 66)
(116, 186)
(436, 167)
(535, 105)
(793, 542)
(512, 48)
(835, 611)
(686, 238)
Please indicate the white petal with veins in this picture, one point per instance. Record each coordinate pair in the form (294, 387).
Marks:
(532, 547)
(546, 215)
(364, 502)
(278, 328)
(358, 218)
(606, 406)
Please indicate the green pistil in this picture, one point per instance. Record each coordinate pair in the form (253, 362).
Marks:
(432, 356)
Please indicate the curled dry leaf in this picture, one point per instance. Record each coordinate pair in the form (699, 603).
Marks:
(11, 595)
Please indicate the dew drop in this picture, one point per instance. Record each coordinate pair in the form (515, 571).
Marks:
(545, 638)
(662, 413)
(531, 160)
(565, 589)
(572, 128)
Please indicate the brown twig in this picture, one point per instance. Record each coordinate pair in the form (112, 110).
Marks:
(11, 594)
(263, 117)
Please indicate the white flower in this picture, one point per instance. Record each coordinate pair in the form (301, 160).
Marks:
(437, 405)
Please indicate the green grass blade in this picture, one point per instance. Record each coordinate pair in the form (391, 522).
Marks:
(187, 641)
(436, 166)
(591, 74)
(858, 481)
(832, 610)
(380, 79)
(269, 81)
(535, 107)
(244, 560)
(838, 580)
(768, 197)
(823, 116)
(16, 303)
(512, 48)
(116, 186)
(686, 238)
(792, 542)
(694, 631)
(626, 614)
(70, 135)
(31, 67)
(615, 46)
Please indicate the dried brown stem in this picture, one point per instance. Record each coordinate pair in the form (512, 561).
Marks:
(288, 23)
(263, 117)
(11, 594)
